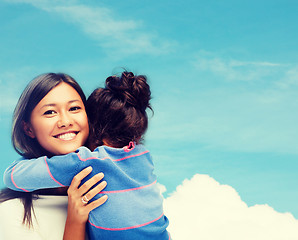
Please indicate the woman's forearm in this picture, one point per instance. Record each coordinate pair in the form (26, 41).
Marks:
(74, 231)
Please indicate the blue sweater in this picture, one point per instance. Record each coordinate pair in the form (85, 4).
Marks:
(134, 208)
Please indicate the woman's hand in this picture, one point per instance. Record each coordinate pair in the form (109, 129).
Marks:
(78, 206)
(78, 211)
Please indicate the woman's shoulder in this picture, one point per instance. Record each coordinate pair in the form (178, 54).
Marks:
(50, 213)
(11, 207)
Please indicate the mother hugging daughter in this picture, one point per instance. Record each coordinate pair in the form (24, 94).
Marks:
(118, 121)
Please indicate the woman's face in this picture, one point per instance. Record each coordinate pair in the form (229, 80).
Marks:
(59, 121)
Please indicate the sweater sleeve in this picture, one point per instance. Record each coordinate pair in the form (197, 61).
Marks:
(28, 175)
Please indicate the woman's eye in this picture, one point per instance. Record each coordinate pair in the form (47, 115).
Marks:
(49, 112)
(76, 108)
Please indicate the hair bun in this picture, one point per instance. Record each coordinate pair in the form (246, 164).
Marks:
(133, 90)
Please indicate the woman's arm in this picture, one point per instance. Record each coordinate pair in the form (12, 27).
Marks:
(78, 212)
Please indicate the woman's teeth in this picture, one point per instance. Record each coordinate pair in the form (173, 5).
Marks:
(67, 136)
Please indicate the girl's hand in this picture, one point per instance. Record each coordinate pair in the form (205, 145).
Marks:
(78, 203)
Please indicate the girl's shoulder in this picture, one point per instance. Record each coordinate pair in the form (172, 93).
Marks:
(132, 148)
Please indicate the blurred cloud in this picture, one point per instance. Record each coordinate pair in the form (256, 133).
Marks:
(290, 79)
(245, 106)
(13, 83)
(202, 208)
(106, 27)
(225, 119)
(233, 69)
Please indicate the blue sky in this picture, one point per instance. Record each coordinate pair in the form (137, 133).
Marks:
(224, 77)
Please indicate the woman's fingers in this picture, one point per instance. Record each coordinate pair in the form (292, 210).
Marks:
(91, 182)
(89, 195)
(96, 203)
(79, 177)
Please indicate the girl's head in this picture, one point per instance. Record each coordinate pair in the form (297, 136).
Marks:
(117, 113)
(50, 117)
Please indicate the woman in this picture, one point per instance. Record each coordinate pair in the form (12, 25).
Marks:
(59, 102)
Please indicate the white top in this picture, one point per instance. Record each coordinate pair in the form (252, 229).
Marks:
(50, 211)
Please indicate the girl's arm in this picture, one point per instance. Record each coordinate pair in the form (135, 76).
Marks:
(78, 212)
(58, 171)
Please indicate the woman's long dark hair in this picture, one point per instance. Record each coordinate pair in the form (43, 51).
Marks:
(28, 147)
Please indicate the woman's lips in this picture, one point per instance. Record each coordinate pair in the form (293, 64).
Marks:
(66, 136)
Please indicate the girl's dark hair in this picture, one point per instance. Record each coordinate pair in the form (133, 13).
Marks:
(26, 146)
(117, 113)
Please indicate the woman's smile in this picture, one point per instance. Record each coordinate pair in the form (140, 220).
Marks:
(67, 136)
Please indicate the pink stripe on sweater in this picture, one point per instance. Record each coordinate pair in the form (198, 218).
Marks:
(45, 159)
(130, 189)
(85, 159)
(126, 228)
(136, 155)
(115, 160)
(11, 176)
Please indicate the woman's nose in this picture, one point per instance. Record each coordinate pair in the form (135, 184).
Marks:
(65, 120)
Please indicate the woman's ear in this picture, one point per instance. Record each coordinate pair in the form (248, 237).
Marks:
(28, 129)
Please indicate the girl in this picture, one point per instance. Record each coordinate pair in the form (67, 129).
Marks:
(63, 94)
(118, 119)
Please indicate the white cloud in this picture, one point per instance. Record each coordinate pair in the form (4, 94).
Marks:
(44, 4)
(100, 24)
(232, 69)
(109, 29)
(202, 208)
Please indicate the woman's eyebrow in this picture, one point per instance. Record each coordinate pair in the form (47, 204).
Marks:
(55, 104)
